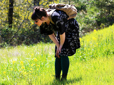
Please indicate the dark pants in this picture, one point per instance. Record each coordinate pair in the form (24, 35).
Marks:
(61, 63)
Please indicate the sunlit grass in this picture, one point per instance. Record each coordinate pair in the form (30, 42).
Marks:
(91, 65)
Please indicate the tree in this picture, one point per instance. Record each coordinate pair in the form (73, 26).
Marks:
(10, 13)
(106, 12)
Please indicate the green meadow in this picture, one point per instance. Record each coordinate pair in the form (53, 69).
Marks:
(34, 65)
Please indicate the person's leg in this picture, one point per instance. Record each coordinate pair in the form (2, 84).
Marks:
(57, 68)
(64, 66)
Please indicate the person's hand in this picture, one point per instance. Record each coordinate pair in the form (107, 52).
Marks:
(60, 47)
(58, 51)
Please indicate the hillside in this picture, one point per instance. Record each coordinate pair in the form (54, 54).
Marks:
(91, 65)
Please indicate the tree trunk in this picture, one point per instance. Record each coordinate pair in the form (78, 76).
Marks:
(10, 13)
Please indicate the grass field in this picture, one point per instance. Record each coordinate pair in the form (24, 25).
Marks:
(34, 65)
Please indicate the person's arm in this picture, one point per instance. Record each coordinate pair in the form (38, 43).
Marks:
(54, 39)
(62, 40)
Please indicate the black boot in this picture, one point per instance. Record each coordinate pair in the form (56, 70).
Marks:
(64, 77)
(57, 77)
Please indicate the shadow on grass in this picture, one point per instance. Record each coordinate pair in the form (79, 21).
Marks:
(74, 80)
(70, 81)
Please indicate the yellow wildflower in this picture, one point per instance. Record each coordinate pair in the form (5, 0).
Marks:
(24, 73)
(19, 70)
(32, 54)
(80, 39)
(21, 62)
(87, 40)
(94, 30)
(35, 59)
(82, 44)
(36, 64)
(32, 64)
(14, 62)
(94, 38)
(4, 72)
(11, 69)
(23, 67)
(31, 69)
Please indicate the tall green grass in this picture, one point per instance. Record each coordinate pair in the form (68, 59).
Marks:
(34, 65)
(97, 44)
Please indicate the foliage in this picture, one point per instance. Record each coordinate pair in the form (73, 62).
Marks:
(91, 65)
(91, 15)
(28, 33)
(106, 12)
